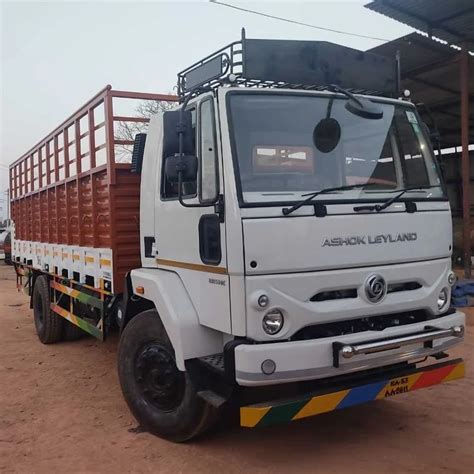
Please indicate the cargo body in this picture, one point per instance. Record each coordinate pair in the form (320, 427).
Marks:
(74, 203)
(91, 236)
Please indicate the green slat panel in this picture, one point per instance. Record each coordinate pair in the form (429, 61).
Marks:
(90, 300)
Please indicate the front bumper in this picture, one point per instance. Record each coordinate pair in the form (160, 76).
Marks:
(265, 414)
(314, 359)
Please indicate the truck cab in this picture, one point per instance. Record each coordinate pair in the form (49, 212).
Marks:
(294, 234)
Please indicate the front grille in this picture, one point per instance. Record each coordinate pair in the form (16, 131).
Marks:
(352, 292)
(335, 295)
(406, 286)
(373, 323)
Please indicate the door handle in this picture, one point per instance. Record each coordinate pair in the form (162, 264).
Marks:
(149, 243)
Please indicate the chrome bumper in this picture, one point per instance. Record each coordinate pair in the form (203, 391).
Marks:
(427, 337)
(315, 359)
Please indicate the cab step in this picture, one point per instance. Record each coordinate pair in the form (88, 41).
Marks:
(214, 362)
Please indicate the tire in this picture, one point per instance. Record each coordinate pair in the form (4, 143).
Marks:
(49, 325)
(71, 332)
(162, 399)
(114, 322)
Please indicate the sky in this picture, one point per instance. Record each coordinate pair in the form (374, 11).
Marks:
(56, 55)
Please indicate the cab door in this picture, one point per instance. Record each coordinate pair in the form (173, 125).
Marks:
(190, 241)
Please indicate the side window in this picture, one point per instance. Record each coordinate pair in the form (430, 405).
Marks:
(170, 190)
(413, 161)
(208, 153)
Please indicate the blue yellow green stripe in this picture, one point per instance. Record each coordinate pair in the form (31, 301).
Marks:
(265, 415)
(78, 295)
(76, 320)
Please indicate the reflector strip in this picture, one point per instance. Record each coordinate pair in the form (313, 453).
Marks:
(72, 318)
(78, 295)
(321, 404)
(261, 415)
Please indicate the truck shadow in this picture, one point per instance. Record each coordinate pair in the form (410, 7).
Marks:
(352, 428)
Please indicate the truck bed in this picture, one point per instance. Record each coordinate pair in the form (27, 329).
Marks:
(75, 205)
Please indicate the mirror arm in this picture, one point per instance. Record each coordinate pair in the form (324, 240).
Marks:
(181, 128)
(180, 195)
(336, 88)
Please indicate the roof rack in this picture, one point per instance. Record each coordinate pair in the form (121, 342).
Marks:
(307, 65)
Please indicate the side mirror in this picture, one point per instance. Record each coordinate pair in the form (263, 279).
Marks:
(327, 134)
(171, 123)
(187, 165)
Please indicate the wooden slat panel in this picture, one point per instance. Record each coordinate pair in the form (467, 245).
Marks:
(127, 224)
(98, 207)
(73, 218)
(36, 221)
(44, 216)
(62, 214)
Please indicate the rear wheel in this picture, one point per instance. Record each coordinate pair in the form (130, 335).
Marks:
(161, 397)
(49, 325)
(71, 332)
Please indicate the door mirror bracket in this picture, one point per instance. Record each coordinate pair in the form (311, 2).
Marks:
(219, 207)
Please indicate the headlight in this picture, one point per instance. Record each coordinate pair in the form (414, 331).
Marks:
(443, 299)
(273, 321)
(451, 278)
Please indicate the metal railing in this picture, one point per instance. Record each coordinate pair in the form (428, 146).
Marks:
(74, 148)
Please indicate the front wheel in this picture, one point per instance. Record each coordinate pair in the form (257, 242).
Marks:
(162, 398)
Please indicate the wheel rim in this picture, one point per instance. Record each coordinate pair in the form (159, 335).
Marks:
(158, 378)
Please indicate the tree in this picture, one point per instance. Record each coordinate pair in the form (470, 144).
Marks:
(127, 130)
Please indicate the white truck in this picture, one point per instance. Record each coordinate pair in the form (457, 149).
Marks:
(293, 249)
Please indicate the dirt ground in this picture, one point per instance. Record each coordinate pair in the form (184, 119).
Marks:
(61, 410)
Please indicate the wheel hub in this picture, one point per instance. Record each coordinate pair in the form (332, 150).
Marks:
(160, 381)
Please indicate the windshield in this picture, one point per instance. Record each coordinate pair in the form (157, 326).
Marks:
(277, 159)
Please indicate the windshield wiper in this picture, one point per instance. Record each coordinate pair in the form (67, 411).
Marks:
(389, 202)
(288, 210)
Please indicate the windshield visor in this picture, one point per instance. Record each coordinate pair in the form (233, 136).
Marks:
(278, 156)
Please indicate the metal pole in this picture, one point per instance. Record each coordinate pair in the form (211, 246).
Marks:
(466, 198)
(399, 73)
